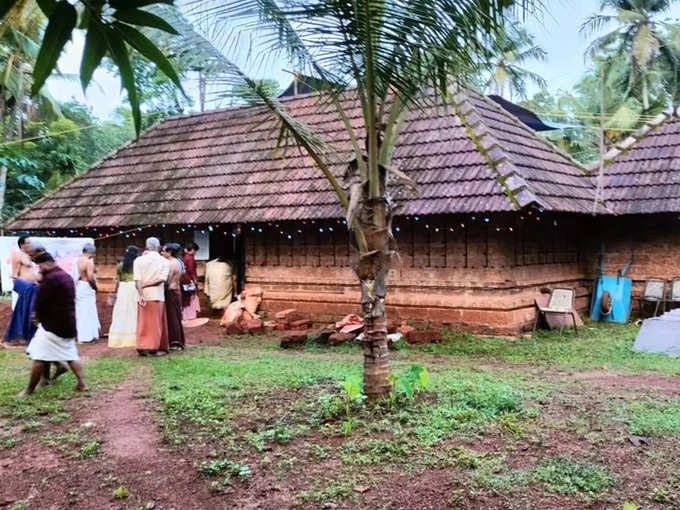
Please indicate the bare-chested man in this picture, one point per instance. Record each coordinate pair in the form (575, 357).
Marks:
(173, 296)
(22, 265)
(84, 274)
(24, 275)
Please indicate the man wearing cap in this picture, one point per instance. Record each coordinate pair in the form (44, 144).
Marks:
(54, 340)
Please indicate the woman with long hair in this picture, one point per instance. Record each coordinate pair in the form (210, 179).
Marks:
(123, 332)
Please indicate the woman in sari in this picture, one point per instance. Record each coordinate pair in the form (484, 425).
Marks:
(123, 332)
(189, 281)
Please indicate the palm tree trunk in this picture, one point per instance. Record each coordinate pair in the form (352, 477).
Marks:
(372, 271)
(645, 94)
(201, 90)
(3, 186)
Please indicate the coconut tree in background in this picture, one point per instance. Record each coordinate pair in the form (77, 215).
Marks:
(640, 37)
(512, 49)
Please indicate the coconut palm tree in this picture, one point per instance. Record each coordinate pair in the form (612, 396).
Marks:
(20, 34)
(512, 49)
(389, 54)
(392, 56)
(640, 37)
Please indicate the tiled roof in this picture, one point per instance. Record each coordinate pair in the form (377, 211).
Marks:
(642, 173)
(221, 166)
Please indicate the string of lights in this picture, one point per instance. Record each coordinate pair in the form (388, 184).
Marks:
(287, 230)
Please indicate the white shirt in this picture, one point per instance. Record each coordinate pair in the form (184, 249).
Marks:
(148, 268)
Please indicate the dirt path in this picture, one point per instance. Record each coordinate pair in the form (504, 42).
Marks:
(132, 455)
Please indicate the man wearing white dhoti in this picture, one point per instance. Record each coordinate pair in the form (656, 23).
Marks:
(54, 341)
(87, 319)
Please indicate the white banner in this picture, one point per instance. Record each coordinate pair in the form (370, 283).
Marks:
(65, 251)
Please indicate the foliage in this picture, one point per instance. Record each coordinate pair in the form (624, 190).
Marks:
(121, 493)
(650, 418)
(647, 45)
(59, 149)
(596, 345)
(566, 475)
(224, 467)
(512, 48)
(414, 380)
(243, 92)
(352, 392)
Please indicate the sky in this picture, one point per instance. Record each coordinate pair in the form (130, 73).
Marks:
(557, 31)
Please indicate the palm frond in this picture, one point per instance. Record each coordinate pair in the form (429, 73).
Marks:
(595, 23)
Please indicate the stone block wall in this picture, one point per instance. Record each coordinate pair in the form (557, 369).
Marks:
(472, 275)
(469, 274)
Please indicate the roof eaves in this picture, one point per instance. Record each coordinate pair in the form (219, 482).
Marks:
(508, 176)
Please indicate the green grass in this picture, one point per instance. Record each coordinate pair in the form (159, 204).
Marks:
(566, 475)
(50, 401)
(75, 444)
(597, 345)
(650, 418)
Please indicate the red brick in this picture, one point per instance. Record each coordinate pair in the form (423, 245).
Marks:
(293, 338)
(286, 314)
(353, 329)
(405, 329)
(252, 326)
(424, 337)
(300, 324)
(232, 328)
(339, 338)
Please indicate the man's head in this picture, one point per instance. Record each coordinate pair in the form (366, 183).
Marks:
(45, 262)
(171, 250)
(33, 247)
(191, 248)
(22, 242)
(89, 250)
(153, 244)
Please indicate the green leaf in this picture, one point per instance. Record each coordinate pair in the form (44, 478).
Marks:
(95, 49)
(352, 387)
(630, 506)
(406, 387)
(59, 28)
(144, 18)
(47, 6)
(5, 6)
(147, 48)
(120, 57)
(125, 4)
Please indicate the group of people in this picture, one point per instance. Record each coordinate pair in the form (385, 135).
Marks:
(156, 291)
(26, 275)
(52, 310)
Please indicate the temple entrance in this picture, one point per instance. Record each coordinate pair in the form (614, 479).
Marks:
(231, 248)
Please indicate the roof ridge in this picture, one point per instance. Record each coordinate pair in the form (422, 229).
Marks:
(508, 176)
(232, 108)
(89, 169)
(639, 134)
(534, 134)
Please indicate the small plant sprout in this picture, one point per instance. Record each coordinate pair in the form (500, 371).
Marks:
(352, 392)
(414, 380)
(121, 493)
